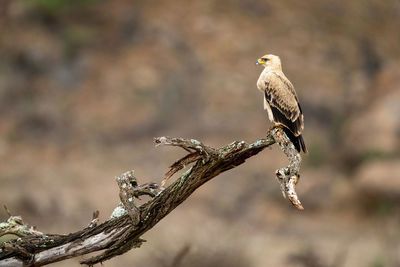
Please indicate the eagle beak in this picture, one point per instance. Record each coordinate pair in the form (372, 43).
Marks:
(259, 61)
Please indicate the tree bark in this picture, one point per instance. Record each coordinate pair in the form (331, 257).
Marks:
(128, 222)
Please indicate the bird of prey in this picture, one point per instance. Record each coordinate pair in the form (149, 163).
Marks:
(280, 100)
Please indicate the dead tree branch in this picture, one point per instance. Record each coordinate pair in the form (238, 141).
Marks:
(129, 222)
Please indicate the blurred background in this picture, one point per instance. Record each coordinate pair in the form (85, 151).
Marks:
(86, 85)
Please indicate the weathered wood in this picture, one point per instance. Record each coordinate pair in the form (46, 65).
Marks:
(128, 222)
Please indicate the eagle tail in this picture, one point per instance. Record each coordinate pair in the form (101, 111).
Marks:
(302, 144)
(297, 141)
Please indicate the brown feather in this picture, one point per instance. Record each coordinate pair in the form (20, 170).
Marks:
(297, 141)
(282, 118)
(280, 94)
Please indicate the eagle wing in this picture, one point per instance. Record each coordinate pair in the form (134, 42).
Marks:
(283, 103)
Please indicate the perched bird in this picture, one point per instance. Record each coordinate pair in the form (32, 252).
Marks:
(280, 100)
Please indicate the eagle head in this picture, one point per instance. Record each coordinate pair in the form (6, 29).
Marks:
(270, 60)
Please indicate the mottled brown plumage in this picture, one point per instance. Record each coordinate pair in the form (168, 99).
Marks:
(280, 100)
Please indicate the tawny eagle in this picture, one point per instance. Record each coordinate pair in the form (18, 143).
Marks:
(280, 100)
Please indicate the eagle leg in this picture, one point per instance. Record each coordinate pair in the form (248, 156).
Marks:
(275, 126)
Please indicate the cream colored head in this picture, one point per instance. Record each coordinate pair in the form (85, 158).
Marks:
(270, 61)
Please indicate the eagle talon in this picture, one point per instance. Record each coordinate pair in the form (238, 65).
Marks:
(274, 126)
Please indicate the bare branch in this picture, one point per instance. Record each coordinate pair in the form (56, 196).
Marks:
(15, 226)
(290, 175)
(129, 222)
(95, 219)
